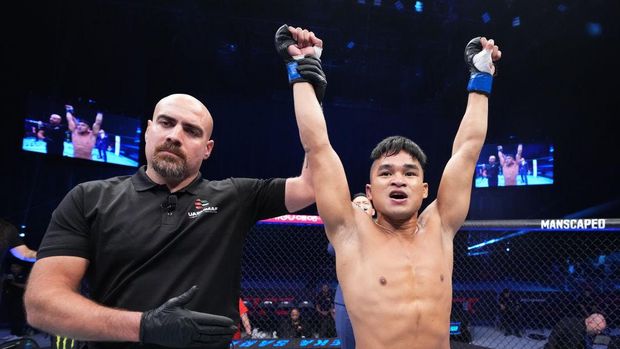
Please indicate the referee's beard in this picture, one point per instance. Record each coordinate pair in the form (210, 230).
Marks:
(170, 162)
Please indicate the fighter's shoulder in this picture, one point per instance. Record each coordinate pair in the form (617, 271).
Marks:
(430, 213)
(363, 225)
(430, 218)
(357, 225)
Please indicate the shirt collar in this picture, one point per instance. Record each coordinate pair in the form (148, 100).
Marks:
(142, 182)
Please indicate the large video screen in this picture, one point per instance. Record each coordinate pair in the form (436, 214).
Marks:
(81, 128)
(522, 164)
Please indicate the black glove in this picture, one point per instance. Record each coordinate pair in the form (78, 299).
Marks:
(171, 325)
(300, 68)
(478, 61)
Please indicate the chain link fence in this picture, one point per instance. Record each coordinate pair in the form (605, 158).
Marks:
(284, 267)
(512, 289)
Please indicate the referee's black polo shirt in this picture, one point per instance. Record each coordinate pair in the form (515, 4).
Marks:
(145, 247)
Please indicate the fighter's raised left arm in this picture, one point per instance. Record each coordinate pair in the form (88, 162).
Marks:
(519, 153)
(97, 124)
(454, 192)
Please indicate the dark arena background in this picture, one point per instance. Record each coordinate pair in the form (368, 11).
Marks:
(393, 67)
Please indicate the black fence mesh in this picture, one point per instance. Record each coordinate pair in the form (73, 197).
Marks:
(512, 289)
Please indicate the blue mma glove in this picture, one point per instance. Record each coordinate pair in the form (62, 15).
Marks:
(301, 68)
(479, 62)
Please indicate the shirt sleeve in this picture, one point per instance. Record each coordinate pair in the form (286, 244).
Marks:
(266, 195)
(68, 231)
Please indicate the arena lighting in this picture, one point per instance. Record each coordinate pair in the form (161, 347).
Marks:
(594, 29)
(377, 2)
(562, 8)
(419, 6)
(350, 44)
(486, 17)
(455, 327)
(399, 5)
(516, 21)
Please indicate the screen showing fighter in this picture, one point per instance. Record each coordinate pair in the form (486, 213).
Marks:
(503, 165)
(81, 129)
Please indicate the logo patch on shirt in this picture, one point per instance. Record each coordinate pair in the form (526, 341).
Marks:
(200, 207)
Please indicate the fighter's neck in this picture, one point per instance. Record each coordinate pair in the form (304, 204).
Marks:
(405, 228)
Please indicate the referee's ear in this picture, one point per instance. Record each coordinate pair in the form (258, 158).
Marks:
(208, 149)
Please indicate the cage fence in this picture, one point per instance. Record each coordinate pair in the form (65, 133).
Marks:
(512, 288)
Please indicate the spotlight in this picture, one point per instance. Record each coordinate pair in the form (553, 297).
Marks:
(486, 17)
(594, 29)
(419, 6)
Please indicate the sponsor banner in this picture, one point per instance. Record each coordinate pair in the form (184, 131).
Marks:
(572, 224)
(295, 219)
(287, 343)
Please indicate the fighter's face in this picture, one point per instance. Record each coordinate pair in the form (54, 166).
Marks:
(397, 186)
(491, 159)
(82, 127)
(365, 204)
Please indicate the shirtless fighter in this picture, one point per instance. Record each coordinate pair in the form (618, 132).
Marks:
(395, 273)
(82, 136)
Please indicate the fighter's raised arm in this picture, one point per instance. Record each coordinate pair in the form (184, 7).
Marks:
(519, 155)
(301, 50)
(97, 123)
(454, 192)
(70, 117)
